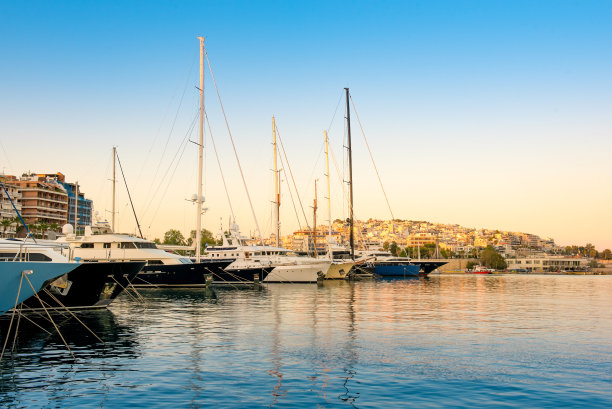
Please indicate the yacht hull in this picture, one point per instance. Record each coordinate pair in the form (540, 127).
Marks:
(338, 271)
(392, 269)
(41, 274)
(90, 285)
(298, 273)
(180, 275)
(243, 275)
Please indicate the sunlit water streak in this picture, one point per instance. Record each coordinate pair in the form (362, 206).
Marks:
(451, 341)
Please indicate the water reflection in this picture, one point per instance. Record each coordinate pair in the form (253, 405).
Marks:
(445, 341)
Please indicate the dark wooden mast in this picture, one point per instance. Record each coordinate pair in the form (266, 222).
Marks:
(350, 161)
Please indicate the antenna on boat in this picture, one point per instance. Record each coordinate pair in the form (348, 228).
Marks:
(350, 164)
(198, 247)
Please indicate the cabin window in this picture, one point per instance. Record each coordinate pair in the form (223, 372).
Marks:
(87, 245)
(145, 245)
(107, 245)
(152, 262)
(25, 257)
(127, 245)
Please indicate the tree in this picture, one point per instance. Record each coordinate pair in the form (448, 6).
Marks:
(470, 265)
(207, 238)
(5, 225)
(174, 237)
(394, 249)
(492, 259)
(589, 250)
(606, 254)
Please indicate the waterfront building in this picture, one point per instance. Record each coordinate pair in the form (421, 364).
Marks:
(544, 263)
(420, 239)
(8, 223)
(43, 198)
(84, 206)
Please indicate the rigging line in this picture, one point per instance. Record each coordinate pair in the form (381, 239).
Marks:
(346, 198)
(372, 158)
(233, 145)
(297, 193)
(189, 131)
(7, 157)
(335, 111)
(164, 118)
(168, 184)
(219, 163)
(291, 196)
(129, 195)
(169, 136)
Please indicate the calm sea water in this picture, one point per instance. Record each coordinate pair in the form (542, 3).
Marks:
(451, 341)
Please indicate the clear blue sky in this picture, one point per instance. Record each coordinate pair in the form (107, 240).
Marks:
(484, 113)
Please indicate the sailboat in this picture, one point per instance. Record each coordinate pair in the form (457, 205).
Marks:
(340, 266)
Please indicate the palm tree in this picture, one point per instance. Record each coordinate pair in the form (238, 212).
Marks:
(43, 226)
(5, 225)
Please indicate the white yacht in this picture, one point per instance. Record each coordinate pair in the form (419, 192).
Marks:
(162, 269)
(286, 267)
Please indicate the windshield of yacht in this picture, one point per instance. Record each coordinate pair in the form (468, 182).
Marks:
(145, 245)
(185, 260)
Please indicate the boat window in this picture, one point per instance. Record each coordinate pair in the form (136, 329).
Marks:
(25, 257)
(185, 261)
(151, 262)
(87, 245)
(145, 245)
(107, 245)
(127, 245)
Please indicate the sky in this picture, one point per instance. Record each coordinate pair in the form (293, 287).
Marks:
(488, 114)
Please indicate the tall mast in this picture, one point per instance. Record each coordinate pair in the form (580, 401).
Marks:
(114, 180)
(76, 207)
(329, 232)
(314, 221)
(200, 156)
(350, 163)
(276, 185)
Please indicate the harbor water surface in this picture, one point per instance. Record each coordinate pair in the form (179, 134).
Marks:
(445, 341)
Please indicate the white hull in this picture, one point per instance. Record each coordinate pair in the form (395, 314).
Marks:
(298, 273)
(339, 271)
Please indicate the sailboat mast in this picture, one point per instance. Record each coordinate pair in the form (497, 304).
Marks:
(76, 207)
(114, 182)
(276, 185)
(198, 237)
(314, 221)
(350, 163)
(329, 231)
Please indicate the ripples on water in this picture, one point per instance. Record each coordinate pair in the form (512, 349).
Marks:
(451, 341)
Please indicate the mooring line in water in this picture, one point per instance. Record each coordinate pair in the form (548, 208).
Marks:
(51, 319)
(140, 297)
(25, 316)
(128, 293)
(218, 276)
(16, 328)
(73, 315)
(12, 315)
(145, 281)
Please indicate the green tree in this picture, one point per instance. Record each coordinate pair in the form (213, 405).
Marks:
(606, 254)
(589, 250)
(386, 246)
(470, 265)
(394, 249)
(492, 259)
(207, 238)
(174, 237)
(43, 226)
(6, 223)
